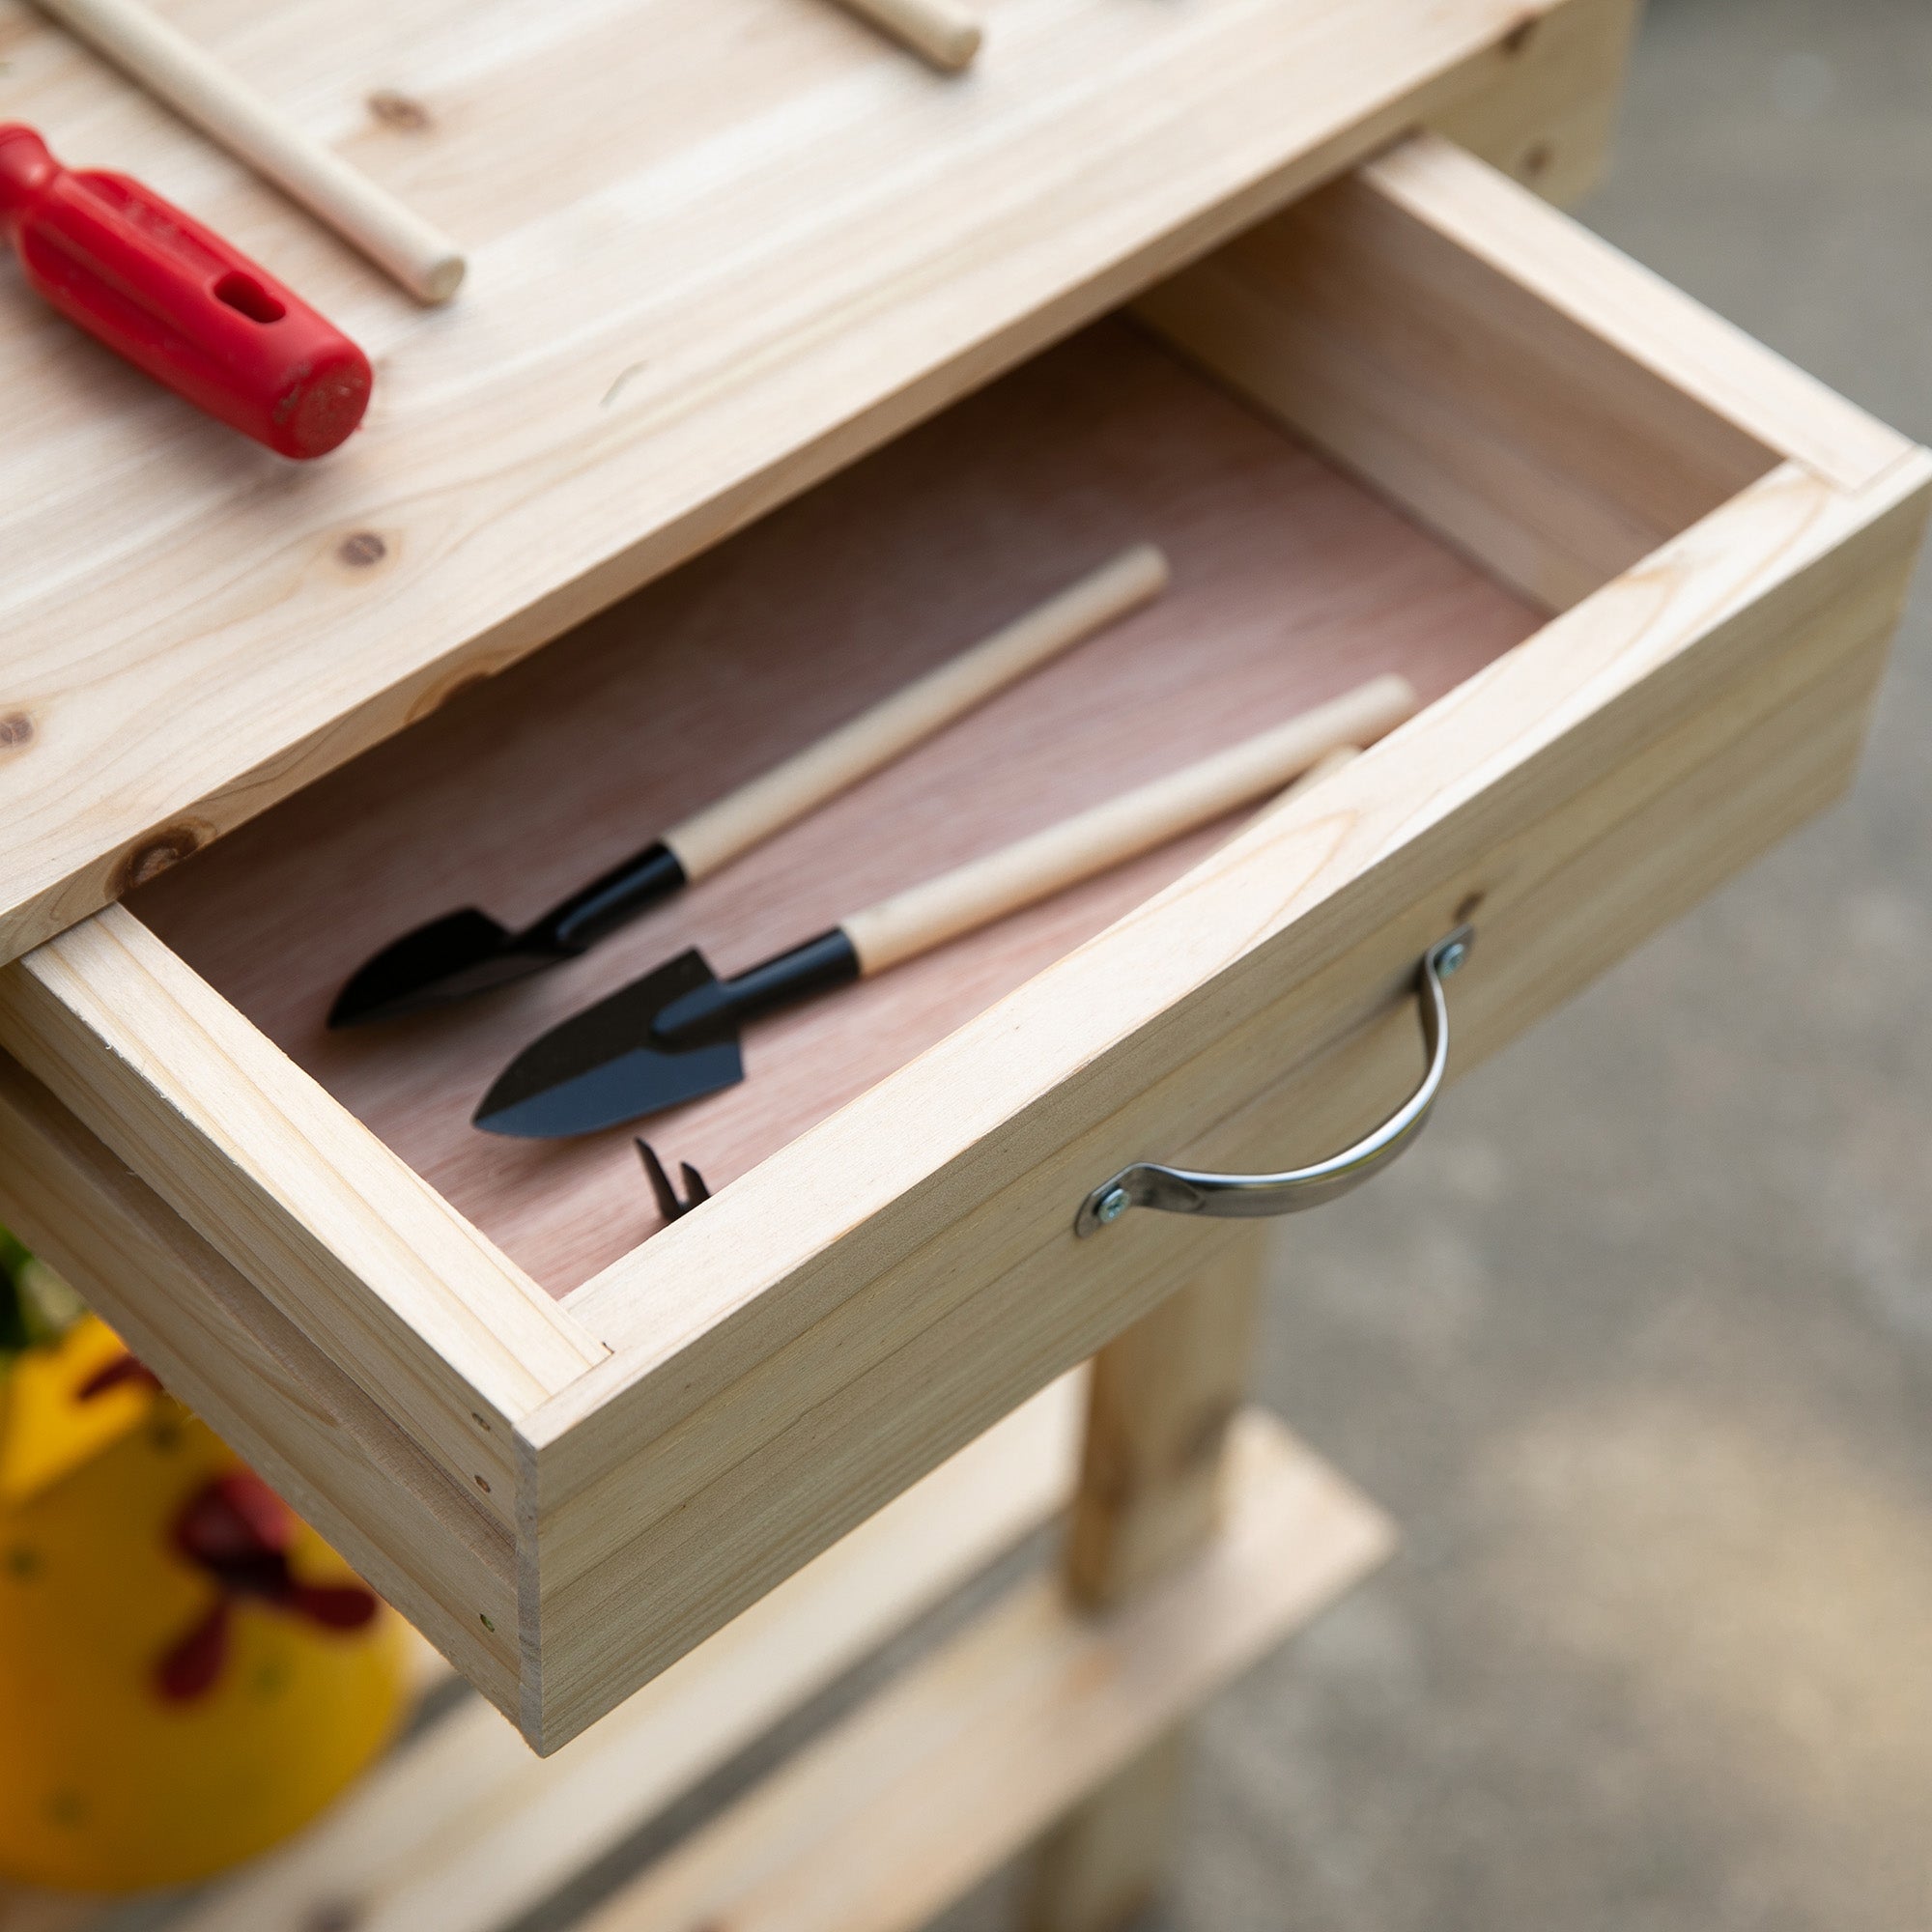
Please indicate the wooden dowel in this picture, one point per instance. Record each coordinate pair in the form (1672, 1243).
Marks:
(715, 835)
(976, 894)
(419, 256)
(946, 34)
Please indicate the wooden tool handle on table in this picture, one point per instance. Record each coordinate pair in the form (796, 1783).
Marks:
(425, 260)
(713, 837)
(977, 894)
(946, 34)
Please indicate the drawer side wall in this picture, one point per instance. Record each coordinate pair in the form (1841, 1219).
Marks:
(220, 1346)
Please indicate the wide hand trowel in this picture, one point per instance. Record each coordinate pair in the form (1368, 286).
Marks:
(467, 951)
(672, 1036)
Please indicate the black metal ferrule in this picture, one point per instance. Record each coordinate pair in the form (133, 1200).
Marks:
(621, 894)
(718, 1009)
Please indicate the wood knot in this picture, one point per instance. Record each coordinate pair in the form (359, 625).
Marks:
(1521, 34)
(400, 111)
(152, 856)
(16, 728)
(1466, 913)
(363, 549)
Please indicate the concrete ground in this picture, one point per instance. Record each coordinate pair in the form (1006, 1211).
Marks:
(1638, 1346)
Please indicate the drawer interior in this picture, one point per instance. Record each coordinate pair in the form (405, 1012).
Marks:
(1293, 579)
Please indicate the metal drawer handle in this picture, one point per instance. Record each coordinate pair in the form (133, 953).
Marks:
(1176, 1190)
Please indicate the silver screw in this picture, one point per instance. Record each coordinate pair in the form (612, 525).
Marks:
(1112, 1206)
(1451, 959)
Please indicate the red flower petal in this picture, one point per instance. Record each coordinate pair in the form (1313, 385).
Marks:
(189, 1669)
(232, 1519)
(343, 1606)
(112, 1374)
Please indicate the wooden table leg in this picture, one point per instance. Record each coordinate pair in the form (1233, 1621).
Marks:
(1163, 1395)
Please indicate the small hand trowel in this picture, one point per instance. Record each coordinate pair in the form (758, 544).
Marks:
(672, 1036)
(467, 951)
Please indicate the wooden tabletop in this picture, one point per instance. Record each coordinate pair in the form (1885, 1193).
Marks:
(718, 248)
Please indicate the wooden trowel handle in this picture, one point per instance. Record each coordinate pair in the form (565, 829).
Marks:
(976, 894)
(941, 30)
(713, 837)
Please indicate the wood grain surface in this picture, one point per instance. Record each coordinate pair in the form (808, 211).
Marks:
(716, 249)
(964, 1759)
(175, 69)
(416, 1532)
(1154, 1475)
(1290, 584)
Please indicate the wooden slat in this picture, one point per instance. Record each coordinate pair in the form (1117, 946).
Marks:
(1522, 431)
(1655, 325)
(700, 280)
(422, 1537)
(952, 1769)
(357, 1252)
(1519, 386)
(463, 1830)
(777, 1372)
(1550, 406)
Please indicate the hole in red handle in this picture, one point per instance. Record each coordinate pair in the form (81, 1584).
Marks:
(247, 297)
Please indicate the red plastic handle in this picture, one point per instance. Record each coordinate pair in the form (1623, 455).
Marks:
(179, 302)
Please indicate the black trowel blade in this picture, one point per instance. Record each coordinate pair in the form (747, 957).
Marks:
(602, 1067)
(461, 954)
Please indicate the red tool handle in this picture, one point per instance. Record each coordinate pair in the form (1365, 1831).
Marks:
(178, 302)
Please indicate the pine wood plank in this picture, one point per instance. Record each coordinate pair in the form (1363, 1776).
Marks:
(700, 281)
(369, 1263)
(952, 1769)
(1552, 408)
(1653, 325)
(1524, 437)
(420, 1535)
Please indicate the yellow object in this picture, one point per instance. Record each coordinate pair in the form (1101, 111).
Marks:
(51, 1423)
(180, 1683)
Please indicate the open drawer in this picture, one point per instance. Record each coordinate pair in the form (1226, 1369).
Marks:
(1645, 571)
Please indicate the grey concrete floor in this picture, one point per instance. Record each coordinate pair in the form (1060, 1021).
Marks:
(1638, 1346)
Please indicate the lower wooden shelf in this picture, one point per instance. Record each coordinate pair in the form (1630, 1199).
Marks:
(905, 1803)
(965, 1759)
